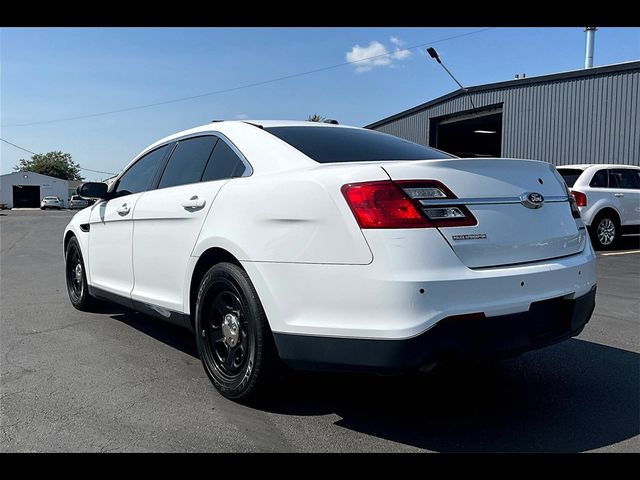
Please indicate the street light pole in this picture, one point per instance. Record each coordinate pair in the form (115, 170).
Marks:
(433, 54)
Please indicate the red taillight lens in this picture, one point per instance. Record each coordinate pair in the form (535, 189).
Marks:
(383, 205)
(406, 204)
(581, 198)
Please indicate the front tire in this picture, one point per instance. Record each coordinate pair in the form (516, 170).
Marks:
(605, 231)
(233, 335)
(76, 277)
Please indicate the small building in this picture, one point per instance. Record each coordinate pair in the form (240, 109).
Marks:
(581, 116)
(26, 189)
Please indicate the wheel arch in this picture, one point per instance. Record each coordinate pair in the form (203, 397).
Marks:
(67, 238)
(207, 259)
(607, 209)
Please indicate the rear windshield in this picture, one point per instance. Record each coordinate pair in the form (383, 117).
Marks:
(335, 144)
(50, 198)
(570, 175)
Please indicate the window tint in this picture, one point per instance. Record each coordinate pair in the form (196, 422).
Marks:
(599, 180)
(570, 175)
(336, 144)
(188, 161)
(224, 163)
(139, 177)
(624, 178)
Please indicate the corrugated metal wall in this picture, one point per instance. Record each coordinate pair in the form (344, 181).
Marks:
(580, 120)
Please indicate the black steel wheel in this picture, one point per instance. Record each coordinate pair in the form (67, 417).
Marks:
(76, 277)
(233, 335)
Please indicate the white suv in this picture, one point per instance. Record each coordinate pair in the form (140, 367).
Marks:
(608, 197)
(333, 247)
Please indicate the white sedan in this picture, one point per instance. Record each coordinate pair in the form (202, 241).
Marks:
(333, 247)
(51, 202)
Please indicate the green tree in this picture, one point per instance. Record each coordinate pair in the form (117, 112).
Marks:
(316, 118)
(54, 164)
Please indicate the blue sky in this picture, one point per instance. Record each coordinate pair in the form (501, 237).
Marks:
(53, 73)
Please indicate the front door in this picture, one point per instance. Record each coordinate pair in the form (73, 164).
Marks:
(111, 227)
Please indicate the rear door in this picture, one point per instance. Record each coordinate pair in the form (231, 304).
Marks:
(625, 185)
(111, 227)
(507, 229)
(168, 220)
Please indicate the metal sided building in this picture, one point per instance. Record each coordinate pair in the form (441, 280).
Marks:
(582, 116)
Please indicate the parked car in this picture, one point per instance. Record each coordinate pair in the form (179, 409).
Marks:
(608, 197)
(335, 248)
(78, 202)
(51, 202)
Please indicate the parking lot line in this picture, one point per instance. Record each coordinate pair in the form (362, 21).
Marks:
(626, 252)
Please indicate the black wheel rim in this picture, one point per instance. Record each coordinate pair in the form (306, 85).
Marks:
(225, 331)
(75, 274)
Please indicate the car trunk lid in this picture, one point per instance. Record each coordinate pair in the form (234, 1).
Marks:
(521, 207)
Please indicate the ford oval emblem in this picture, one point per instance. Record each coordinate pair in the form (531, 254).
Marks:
(532, 200)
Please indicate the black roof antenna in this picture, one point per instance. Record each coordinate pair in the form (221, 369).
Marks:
(331, 121)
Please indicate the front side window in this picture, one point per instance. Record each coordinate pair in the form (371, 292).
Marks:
(600, 179)
(188, 161)
(624, 178)
(224, 163)
(139, 177)
(342, 144)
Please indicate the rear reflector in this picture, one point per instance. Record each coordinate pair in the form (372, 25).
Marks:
(388, 204)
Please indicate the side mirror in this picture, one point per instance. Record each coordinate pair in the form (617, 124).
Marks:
(93, 190)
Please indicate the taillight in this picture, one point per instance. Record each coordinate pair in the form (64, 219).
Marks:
(382, 205)
(581, 198)
(405, 204)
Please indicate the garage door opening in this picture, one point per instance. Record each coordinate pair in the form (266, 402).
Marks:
(26, 196)
(473, 135)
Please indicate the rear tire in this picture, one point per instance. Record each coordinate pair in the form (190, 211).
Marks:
(605, 231)
(76, 277)
(234, 340)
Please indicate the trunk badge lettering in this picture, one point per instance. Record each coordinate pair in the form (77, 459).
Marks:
(471, 236)
(532, 200)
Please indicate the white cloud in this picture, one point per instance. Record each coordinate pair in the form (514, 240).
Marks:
(242, 116)
(376, 54)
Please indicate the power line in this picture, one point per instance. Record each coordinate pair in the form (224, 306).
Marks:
(241, 87)
(17, 146)
(34, 153)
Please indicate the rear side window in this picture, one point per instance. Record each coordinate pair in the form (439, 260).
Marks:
(599, 180)
(338, 144)
(224, 163)
(139, 177)
(188, 161)
(570, 175)
(624, 178)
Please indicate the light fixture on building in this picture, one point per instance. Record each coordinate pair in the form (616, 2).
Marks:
(484, 131)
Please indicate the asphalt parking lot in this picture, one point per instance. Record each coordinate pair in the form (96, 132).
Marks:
(122, 381)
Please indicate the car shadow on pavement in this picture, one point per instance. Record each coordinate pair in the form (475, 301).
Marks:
(572, 397)
(169, 334)
(626, 242)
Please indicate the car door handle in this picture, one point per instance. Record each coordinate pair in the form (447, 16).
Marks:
(618, 194)
(123, 209)
(194, 202)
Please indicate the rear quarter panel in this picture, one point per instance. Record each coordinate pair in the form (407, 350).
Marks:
(293, 217)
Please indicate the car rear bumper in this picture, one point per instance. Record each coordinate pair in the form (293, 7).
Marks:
(406, 291)
(545, 323)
